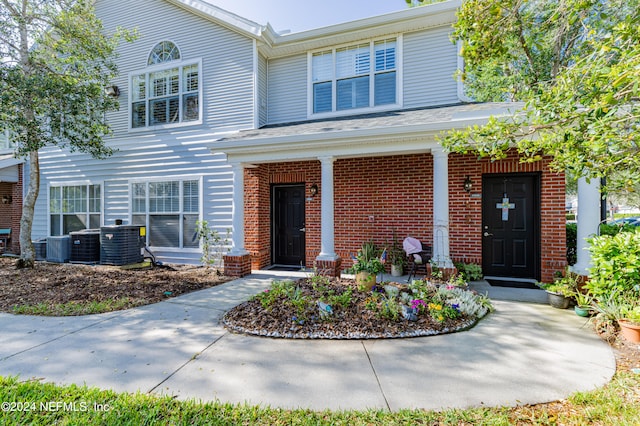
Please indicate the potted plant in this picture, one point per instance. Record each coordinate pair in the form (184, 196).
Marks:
(366, 266)
(397, 257)
(629, 322)
(583, 304)
(563, 288)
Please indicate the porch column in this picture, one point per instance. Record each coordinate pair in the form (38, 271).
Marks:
(237, 262)
(589, 200)
(327, 243)
(441, 208)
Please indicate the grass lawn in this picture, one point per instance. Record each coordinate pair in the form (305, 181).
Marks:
(36, 403)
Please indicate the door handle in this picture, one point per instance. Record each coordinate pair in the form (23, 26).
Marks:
(487, 234)
(303, 229)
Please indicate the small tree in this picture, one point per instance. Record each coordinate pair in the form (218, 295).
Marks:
(55, 63)
(576, 66)
(213, 245)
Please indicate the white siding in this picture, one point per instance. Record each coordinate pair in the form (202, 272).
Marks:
(168, 154)
(227, 58)
(287, 89)
(430, 61)
(263, 91)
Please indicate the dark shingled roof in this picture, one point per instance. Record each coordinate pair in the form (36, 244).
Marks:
(387, 119)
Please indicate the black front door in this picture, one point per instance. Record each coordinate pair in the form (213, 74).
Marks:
(510, 225)
(288, 227)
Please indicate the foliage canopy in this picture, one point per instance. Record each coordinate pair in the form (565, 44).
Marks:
(574, 65)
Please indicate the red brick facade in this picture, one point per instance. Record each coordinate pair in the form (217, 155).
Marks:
(376, 196)
(11, 213)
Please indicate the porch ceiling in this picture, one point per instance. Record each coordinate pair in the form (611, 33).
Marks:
(389, 133)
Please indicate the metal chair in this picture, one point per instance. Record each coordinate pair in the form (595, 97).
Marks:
(419, 255)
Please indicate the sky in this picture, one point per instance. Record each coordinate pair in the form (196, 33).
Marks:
(301, 15)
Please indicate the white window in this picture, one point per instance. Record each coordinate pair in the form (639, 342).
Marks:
(74, 207)
(168, 92)
(169, 209)
(352, 77)
(5, 141)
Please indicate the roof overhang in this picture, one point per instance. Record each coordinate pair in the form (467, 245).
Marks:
(409, 20)
(272, 44)
(297, 142)
(9, 171)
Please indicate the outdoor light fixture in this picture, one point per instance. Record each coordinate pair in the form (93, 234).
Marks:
(112, 91)
(467, 184)
(313, 190)
(7, 199)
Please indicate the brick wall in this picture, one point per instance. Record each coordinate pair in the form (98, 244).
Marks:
(379, 195)
(10, 214)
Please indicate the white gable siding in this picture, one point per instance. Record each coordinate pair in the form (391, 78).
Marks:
(430, 61)
(172, 153)
(287, 89)
(262, 90)
(227, 59)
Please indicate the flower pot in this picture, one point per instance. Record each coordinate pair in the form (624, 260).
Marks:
(557, 300)
(582, 311)
(629, 330)
(396, 270)
(365, 280)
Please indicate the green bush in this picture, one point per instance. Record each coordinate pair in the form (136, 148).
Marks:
(616, 265)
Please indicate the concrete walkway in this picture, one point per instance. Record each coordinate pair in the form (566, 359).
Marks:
(522, 353)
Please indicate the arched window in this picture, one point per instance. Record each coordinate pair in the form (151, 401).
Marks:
(164, 51)
(168, 91)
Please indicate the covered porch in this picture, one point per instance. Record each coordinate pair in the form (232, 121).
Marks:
(368, 178)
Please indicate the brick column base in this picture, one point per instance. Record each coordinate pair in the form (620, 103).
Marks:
(446, 272)
(328, 268)
(237, 266)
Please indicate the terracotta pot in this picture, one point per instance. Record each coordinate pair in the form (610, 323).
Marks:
(629, 330)
(366, 280)
(558, 300)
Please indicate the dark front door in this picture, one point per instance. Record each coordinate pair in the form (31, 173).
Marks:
(510, 225)
(288, 225)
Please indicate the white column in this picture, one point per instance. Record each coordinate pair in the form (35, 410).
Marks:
(589, 199)
(327, 243)
(441, 208)
(237, 211)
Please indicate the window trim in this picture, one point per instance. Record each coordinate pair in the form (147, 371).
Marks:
(181, 180)
(158, 68)
(87, 213)
(364, 110)
(5, 134)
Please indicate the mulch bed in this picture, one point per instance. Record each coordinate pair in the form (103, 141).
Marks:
(352, 322)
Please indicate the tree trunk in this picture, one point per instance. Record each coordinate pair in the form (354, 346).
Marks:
(27, 251)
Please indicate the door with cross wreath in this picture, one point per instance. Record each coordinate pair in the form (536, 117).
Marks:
(511, 225)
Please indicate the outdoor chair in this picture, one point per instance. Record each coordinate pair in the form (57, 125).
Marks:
(419, 255)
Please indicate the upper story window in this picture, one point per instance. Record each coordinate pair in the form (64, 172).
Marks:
(163, 52)
(168, 92)
(5, 141)
(351, 77)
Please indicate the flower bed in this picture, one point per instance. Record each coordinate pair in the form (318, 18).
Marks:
(320, 308)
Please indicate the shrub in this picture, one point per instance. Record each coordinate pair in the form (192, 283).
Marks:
(616, 265)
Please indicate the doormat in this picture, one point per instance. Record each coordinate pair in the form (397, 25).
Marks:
(513, 284)
(286, 268)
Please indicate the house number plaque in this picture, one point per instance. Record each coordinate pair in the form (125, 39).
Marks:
(505, 205)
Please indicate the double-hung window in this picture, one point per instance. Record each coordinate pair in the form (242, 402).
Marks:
(169, 209)
(168, 92)
(352, 77)
(5, 141)
(74, 208)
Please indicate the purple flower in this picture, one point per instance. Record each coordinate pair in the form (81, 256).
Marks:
(416, 303)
